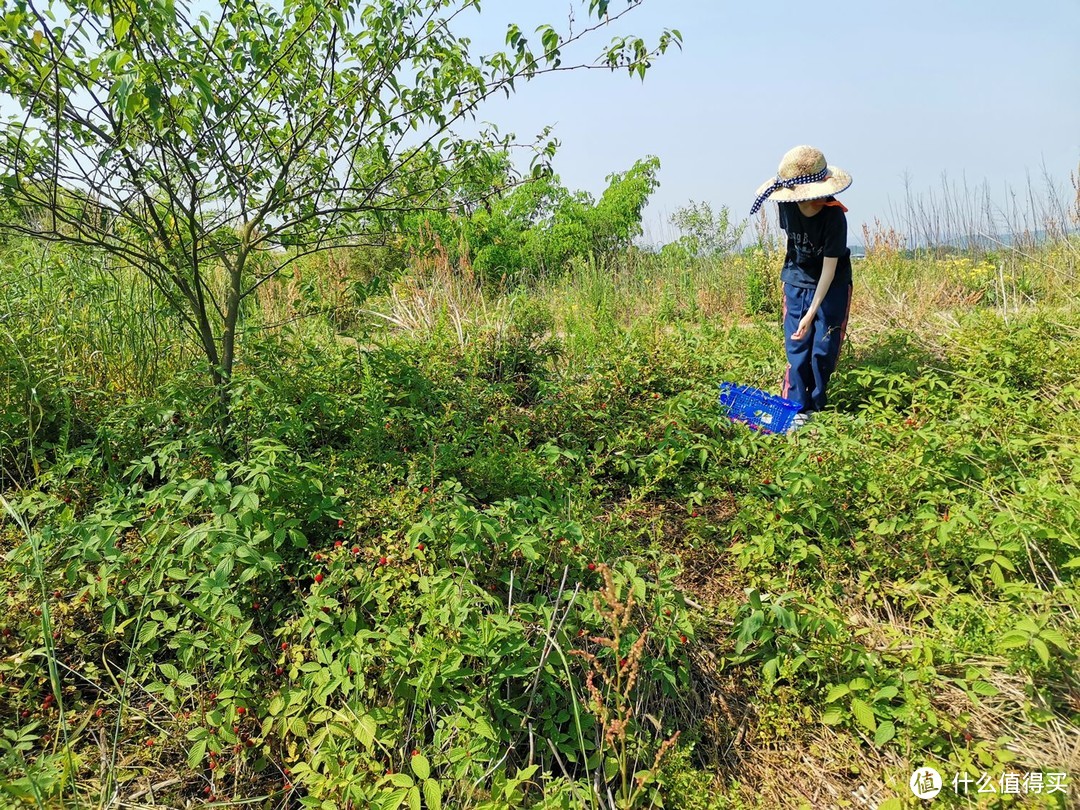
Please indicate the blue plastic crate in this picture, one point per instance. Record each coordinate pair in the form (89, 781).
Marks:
(758, 409)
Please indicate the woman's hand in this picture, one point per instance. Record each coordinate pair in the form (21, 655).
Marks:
(804, 326)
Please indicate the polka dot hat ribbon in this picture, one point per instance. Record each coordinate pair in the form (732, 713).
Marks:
(780, 183)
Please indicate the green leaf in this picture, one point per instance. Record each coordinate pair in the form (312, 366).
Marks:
(886, 693)
(1014, 638)
(1041, 649)
(837, 692)
(365, 731)
(298, 727)
(120, 27)
(420, 766)
(432, 794)
(985, 689)
(886, 731)
(1027, 625)
(833, 716)
(864, 715)
(1055, 638)
(771, 669)
(891, 804)
(414, 798)
(401, 780)
(996, 576)
(196, 753)
(206, 91)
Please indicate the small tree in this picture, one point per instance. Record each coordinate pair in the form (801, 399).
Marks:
(209, 151)
(706, 233)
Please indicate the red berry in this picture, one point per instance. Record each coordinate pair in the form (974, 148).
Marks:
(592, 566)
(766, 482)
(99, 712)
(383, 561)
(693, 514)
(213, 695)
(318, 577)
(340, 523)
(240, 710)
(682, 639)
(356, 549)
(420, 546)
(338, 543)
(150, 742)
(415, 753)
(425, 489)
(318, 556)
(279, 671)
(288, 786)
(284, 645)
(212, 765)
(254, 605)
(25, 713)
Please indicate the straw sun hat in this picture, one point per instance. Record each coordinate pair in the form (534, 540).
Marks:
(804, 174)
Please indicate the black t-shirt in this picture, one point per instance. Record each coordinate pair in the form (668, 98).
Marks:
(810, 240)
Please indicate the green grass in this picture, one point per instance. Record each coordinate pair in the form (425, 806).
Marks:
(404, 549)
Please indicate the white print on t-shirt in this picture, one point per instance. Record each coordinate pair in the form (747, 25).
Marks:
(804, 245)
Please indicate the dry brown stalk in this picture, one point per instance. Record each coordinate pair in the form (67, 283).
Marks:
(611, 682)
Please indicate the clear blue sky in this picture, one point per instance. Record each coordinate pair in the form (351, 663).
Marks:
(894, 92)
